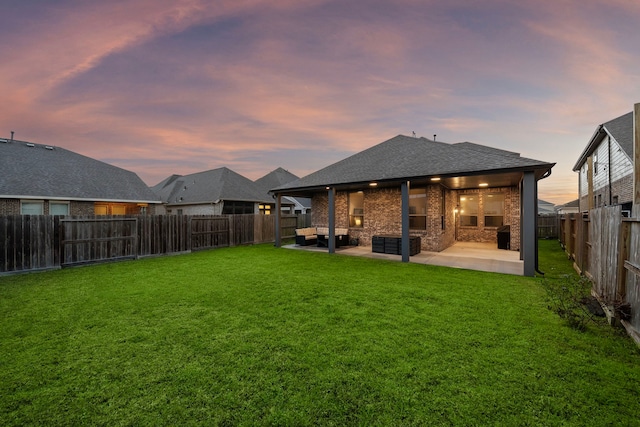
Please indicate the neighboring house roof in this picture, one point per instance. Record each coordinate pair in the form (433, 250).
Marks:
(545, 207)
(275, 179)
(404, 157)
(620, 129)
(280, 177)
(569, 207)
(43, 171)
(210, 186)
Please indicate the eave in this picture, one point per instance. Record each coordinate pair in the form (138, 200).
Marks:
(507, 177)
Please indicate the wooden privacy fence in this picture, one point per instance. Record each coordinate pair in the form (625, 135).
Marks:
(39, 242)
(605, 247)
(548, 226)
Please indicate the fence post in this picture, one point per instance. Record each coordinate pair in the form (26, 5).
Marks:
(624, 242)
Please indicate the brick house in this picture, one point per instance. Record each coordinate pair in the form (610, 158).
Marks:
(606, 168)
(441, 192)
(46, 180)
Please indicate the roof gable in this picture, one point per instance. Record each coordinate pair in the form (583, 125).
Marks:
(404, 157)
(620, 129)
(35, 170)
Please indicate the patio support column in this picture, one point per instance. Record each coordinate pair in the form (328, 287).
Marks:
(405, 220)
(278, 214)
(528, 223)
(332, 220)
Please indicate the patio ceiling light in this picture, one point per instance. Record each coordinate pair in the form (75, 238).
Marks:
(373, 184)
(435, 178)
(484, 184)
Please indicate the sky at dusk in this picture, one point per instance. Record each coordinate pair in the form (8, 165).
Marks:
(180, 86)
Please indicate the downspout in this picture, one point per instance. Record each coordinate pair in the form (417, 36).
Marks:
(537, 266)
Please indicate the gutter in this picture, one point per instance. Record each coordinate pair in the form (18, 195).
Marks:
(76, 199)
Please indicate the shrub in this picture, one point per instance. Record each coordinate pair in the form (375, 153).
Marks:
(569, 297)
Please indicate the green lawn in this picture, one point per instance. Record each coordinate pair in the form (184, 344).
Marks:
(264, 336)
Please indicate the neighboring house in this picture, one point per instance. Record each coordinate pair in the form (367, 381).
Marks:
(546, 208)
(46, 180)
(605, 167)
(441, 192)
(569, 207)
(214, 192)
(290, 205)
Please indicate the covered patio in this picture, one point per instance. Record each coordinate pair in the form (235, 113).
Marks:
(466, 255)
(446, 195)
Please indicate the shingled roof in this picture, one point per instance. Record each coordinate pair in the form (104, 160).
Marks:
(620, 129)
(280, 177)
(209, 186)
(41, 171)
(404, 157)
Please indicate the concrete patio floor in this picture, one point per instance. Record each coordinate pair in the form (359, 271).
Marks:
(467, 255)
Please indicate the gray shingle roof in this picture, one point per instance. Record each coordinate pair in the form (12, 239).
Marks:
(34, 170)
(404, 157)
(209, 187)
(277, 178)
(620, 128)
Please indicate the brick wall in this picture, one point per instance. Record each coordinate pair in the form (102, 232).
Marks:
(81, 208)
(623, 188)
(77, 208)
(383, 215)
(9, 207)
(482, 233)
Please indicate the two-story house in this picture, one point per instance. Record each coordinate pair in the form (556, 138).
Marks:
(606, 166)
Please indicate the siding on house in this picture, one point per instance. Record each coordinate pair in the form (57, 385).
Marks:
(612, 179)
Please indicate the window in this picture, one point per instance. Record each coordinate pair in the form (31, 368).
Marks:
(265, 209)
(234, 208)
(32, 207)
(469, 211)
(595, 163)
(493, 210)
(58, 208)
(118, 209)
(418, 209)
(356, 209)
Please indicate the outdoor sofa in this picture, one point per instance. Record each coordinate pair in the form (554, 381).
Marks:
(320, 235)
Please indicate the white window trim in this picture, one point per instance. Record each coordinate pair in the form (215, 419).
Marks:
(39, 202)
(60, 202)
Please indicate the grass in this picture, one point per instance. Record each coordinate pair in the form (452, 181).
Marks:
(263, 336)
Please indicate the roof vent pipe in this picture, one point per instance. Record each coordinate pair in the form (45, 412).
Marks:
(11, 137)
(434, 137)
